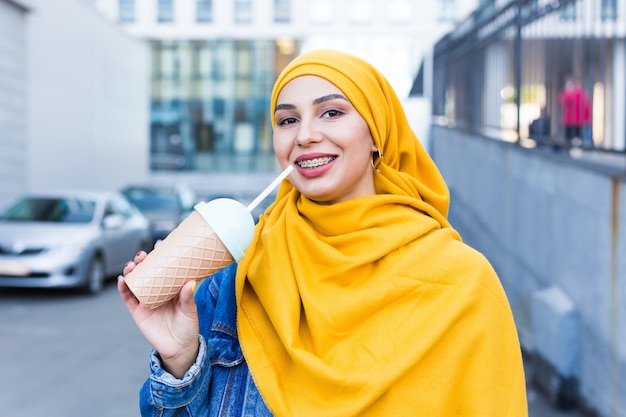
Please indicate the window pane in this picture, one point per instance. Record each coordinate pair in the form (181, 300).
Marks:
(282, 11)
(243, 11)
(204, 11)
(166, 11)
(609, 10)
(568, 12)
(127, 11)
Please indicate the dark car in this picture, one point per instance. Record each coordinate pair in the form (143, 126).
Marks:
(164, 206)
(69, 239)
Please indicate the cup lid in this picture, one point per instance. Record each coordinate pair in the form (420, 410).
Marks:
(231, 221)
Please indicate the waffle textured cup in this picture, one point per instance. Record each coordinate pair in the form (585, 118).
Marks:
(192, 251)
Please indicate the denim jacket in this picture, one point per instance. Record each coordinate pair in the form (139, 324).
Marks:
(219, 382)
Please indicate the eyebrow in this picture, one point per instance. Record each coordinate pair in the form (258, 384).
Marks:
(329, 97)
(318, 100)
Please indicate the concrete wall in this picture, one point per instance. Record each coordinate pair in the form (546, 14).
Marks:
(545, 220)
(13, 174)
(88, 100)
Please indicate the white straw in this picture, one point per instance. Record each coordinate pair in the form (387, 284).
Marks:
(270, 188)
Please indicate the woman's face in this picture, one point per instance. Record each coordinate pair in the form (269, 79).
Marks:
(320, 133)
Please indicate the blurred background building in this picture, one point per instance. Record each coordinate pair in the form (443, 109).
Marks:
(213, 64)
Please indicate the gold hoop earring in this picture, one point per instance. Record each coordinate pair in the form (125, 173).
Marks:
(376, 155)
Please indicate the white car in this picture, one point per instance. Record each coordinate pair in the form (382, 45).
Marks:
(69, 239)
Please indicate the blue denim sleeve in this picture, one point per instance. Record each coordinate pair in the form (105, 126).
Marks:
(163, 395)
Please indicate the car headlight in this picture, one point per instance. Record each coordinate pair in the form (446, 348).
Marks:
(71, 248)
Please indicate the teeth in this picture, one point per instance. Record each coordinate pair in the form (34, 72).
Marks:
(314, 163)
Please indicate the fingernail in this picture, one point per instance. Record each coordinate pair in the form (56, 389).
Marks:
(138, 253)
(193, 288)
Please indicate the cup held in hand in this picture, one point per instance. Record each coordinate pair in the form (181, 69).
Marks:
(209, 239)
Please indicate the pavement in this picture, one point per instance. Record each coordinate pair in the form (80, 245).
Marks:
(538, 403)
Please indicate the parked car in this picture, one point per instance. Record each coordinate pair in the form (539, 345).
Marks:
(164, 206)
(69, 239)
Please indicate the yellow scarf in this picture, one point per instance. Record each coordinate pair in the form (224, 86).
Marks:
(373, 306)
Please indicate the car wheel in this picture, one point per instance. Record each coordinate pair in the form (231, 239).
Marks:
(95, 277)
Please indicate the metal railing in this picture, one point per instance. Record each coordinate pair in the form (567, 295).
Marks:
(502, 73)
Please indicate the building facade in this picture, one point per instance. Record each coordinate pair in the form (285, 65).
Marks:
(213, 64)
(73, 99)
(13, 95)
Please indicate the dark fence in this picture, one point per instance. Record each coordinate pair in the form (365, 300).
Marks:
(536, 73)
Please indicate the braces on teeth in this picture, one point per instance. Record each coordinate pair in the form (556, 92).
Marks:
(314, 163)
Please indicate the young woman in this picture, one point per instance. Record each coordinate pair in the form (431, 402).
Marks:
(356, 296)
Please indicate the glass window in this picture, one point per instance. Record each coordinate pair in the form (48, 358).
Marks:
(209, 104)
(609, 9)
(204, 11)
(127, 11)
(568, 12)
(51, 209)
(282, 11)
(243, 11)
(166, 11)
(486, 8)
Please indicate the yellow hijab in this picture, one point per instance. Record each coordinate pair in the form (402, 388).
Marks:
(373, 306)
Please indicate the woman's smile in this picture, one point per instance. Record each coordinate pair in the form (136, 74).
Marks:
(311, 166)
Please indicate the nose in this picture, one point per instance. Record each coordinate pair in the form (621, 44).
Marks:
(308, 133)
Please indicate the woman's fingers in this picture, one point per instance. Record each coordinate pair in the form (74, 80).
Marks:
(140, 256)
(187, 303)
(127, 296)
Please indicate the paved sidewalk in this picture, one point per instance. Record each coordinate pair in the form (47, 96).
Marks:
(538, 406)
(538, 403)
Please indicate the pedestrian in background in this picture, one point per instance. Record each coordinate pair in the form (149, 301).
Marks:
(540, 128)
(356, 296)
(576, 110)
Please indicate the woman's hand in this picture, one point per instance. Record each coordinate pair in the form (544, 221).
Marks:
(172, 329)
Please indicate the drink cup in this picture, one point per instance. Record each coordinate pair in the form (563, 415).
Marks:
(212, 237)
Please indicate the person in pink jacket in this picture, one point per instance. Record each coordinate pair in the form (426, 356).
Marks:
(576, 107)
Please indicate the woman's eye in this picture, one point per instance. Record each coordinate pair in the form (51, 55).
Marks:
(286, 121)
(332, 113)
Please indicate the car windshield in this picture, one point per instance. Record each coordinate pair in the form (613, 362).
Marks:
(153, 199)
(56, 210)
